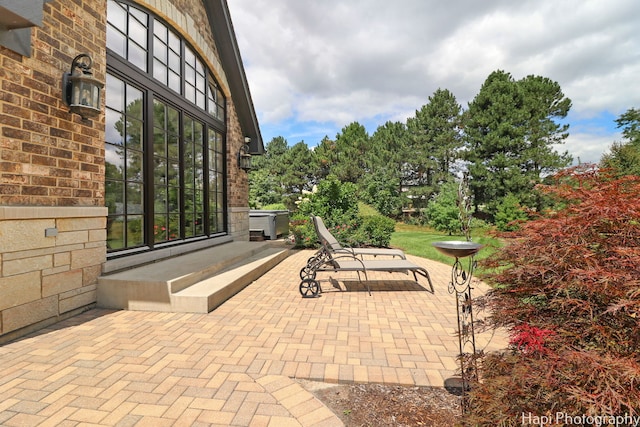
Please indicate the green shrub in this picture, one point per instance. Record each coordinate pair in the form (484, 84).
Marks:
(510, 214)
(302, 233)
(274, 207)
(376, 230)
(442, 211)
(336, 203)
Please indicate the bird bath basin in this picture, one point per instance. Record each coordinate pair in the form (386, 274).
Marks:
(458, 249)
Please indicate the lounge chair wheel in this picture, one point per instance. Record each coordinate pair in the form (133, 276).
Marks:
(307, 273)
(310, 288)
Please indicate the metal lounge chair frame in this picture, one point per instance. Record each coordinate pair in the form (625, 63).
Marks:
(323, 233)
(332, 259)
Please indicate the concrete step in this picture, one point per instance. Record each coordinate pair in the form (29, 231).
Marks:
(159, 286)
(207, 294)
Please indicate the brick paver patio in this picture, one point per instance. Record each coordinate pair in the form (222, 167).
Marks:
(236, 365)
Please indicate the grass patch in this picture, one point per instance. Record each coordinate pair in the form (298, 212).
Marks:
(417, 240)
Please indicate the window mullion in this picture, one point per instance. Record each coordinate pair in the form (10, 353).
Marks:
(181, 168)
(149, 187)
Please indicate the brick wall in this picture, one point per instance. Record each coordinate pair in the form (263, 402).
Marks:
(50, 157)
(238, 182)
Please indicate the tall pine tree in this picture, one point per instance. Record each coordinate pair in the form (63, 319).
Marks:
(510, 130)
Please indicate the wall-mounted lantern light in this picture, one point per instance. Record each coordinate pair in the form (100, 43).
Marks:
(244, 156)
(80, 90)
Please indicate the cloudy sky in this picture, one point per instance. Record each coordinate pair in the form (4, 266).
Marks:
(315, 66)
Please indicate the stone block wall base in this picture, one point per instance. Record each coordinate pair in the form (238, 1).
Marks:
(39, 326)
(50, 260)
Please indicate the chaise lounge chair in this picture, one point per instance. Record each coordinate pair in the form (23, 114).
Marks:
(328, 259)
(328, 239)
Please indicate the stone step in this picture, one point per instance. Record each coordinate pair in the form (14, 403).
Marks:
(154, 287)
(207, 294)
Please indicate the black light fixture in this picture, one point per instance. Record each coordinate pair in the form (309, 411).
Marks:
(80, 90)
(244, 156)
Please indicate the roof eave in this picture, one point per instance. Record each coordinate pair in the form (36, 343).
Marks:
(225, 38)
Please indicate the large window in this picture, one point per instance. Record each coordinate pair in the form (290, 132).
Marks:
(164, 147)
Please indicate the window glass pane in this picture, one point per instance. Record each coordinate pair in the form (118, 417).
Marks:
(174, 62)
(115, 232)
(139, 15)
(212, 161)
(114, 162)
(159, 71)
(134, 134)
(199, 67)
(116, 41)
(138, 32)
(174, 173)
(137, 56)
(159, 143)
(160, 200)
(211, 105)
(159, 50)
(189, 57)
(173, 118)
(134, 102)
(134, 96)
(135, 235)
(174, 81)
(174, 200)
(134, 199)
(174, 227)
(188, 128)
(200, 83)
(115, 197)
(174, 42)
(113, 127)
(160, 228)
(117, 14)
(114, 92)
(189, 92)
(219, 161)
(159, 115)
(190, 75)
(160, 170)
(134, 165)
(189, 228)
(220, 184)
(160, 30)
(199, 223)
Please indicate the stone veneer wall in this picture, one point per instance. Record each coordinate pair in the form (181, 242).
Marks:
(46, 278)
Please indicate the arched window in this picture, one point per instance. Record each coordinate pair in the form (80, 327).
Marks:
(165, 132)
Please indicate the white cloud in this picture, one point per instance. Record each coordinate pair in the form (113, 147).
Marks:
(362, 60)
(588, 148)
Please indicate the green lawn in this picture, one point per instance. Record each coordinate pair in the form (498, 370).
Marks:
(416, 240)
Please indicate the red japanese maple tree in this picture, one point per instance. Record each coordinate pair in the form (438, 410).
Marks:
(567, 286)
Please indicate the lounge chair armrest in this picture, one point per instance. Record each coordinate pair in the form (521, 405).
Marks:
(345, 250)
